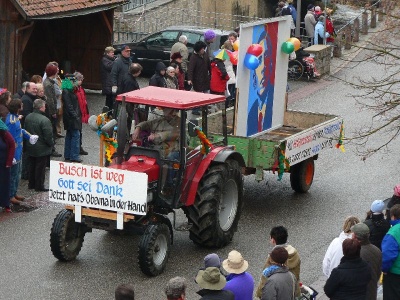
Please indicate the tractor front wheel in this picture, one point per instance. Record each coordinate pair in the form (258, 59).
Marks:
(217, 208)
(66, 237)
(302, 175)
(154, 248)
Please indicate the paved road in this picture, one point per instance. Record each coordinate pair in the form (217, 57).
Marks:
(343, 185)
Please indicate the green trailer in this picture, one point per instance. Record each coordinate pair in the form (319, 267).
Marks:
(290, 148)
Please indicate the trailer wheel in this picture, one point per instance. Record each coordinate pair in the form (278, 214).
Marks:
(154, 248)
(66, 237)
(217, 208)
(302, 175)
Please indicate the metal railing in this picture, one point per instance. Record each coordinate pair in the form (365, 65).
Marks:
(128, 28)
(132, 4)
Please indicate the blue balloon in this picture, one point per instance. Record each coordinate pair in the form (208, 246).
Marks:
(251, 61)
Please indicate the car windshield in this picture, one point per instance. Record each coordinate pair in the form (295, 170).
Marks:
(164, 38)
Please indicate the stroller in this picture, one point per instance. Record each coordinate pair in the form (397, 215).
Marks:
(307, 293)
(301, 65)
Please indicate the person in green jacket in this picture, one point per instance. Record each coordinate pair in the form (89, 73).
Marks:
(38, 154)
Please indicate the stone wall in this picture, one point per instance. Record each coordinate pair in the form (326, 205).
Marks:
(158, 15)
(322, 57)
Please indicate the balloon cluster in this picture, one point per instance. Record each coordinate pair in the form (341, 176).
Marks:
(251, 60)
(292, 44)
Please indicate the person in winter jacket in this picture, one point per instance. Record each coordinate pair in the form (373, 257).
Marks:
(239, 282)
(309, 24)
(279, 281)
(370, 254)
(19, 134)
(72, 119)
(7, 149)
(120, 68)
(230, 70)
(158, 78)
(170, 78)
(81, 95)
(128, 84)
(319, 31)
(391, 257)
(38, 153)
(376, 222)
(334, 252)
(212, 282)
(176, 62)
(278, 238)
(395, 199)
(107, 62)
(181, 48)
(219, 77)
(199, 68)
(349, 280)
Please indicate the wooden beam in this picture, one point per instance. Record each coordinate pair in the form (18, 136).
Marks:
(102, 214)
(106, 21)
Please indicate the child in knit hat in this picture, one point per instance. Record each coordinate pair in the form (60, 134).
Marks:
(376, 223)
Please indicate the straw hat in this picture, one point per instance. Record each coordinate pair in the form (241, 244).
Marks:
(211, 279)
(235, 263)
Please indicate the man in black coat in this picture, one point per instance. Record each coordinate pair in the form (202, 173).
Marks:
(120, 68)
(107, 62)
(27, 102)
(349, 280)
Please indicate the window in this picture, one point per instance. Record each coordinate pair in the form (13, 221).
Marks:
(192, 38)
(163, 39)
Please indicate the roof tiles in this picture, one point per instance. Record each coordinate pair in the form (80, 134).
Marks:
(36, 8)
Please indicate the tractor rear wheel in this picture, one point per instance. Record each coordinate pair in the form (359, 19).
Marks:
(302, 175)
(66, 237)
(154, 248)
(218, 204)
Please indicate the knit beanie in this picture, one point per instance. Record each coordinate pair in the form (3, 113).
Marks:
(51, 70)
(279, 255)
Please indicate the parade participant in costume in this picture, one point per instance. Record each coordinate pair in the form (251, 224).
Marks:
(72, 119)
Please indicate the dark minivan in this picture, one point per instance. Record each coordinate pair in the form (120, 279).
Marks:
(157, 46)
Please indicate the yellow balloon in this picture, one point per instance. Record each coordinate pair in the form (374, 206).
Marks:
(236, 45)
(296, 42)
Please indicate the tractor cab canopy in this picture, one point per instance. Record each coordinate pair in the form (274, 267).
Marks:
(164, 97)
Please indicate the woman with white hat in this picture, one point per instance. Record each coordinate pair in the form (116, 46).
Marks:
(240, 282)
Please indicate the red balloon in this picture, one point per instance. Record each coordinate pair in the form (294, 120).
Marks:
(233, 57)
(255, 49)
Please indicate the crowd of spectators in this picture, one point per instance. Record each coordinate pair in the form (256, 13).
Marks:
(32, 118)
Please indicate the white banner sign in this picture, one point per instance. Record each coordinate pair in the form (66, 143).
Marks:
(98, 187)
(299, 147)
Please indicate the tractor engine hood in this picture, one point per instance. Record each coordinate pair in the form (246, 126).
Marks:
(140, 164)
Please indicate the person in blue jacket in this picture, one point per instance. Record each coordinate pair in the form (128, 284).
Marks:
(239, 282)
(14, 126)
(391, 257)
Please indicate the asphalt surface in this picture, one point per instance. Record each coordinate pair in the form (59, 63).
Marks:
(343, 185)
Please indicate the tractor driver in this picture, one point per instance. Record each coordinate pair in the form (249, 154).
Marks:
(163, 133)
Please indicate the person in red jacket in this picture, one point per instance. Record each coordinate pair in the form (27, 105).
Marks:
(330, 29)
(219, 77)
(81, 95)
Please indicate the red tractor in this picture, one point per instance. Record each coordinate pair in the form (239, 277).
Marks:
(205, 181)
